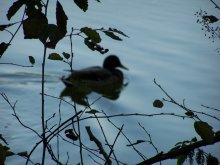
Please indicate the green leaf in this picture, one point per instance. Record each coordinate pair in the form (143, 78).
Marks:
(181, 159)
(3, 47)
(92, 34)
(55, 56)
(92, 111)
(158, 104)
(32, 60)
(112, 35)
(66, 55)
(61, 18)
(204, 130)
(82, 4)
(14, 8)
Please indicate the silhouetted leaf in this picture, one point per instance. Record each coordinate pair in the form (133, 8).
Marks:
(71, 135)
(32, 60)
(112, 35)
(3, 47)
(3, 154)
(211, 160)
(51, 36)
(117, 31)
(82, 4)
(14, 8)
(89, 43)
(92, 111)
(55, 56)
(92, 34)
(34, 27)
(61, 18)
(3, 27)
(210, 18)
(158, 104)
(204, 130)
(137, 142)
(200, 157)
(189, 113)
(66, 55)
(24, 154)
(181, 159)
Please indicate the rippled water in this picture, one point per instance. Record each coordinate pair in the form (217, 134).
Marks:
(164, 43)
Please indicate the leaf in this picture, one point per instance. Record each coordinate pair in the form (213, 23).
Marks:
(34, 27)
(204, 130)
(92, 111)
(118, 31)
(23, 154)
(189, 113)
(61, 18)
(3, 47)
(158, 104)
(55, 56)
(82, 4)
(211, 160)
(181, 159)
(112, 35)
(137, 142)
(3, 27)
(210, 18)
(66, 55)
(71, 135)
(92, 34)
(32, 60)
(51, 36)
(14, 8)
(3, 154)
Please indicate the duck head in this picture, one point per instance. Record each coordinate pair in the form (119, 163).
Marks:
(112, 62)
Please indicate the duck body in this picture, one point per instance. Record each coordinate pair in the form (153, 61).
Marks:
(97, 76)
(106, 80)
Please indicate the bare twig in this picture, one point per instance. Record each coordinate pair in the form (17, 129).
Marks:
(9, 63)
(99, 145)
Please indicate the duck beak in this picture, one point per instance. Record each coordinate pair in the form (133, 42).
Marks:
(123, 67)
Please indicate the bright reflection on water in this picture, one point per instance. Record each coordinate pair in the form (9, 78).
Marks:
(165, 43)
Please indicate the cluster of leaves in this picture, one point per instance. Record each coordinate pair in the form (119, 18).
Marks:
(209, 24)
(5, 151)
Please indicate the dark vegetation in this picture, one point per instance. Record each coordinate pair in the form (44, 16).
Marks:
(35, 25)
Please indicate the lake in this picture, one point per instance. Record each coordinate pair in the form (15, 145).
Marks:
(165, 43)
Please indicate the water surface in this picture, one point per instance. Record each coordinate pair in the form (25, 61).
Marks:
(164, 43)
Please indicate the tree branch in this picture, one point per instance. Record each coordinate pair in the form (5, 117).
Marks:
(184, 150)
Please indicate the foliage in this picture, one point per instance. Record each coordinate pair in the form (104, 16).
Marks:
(35, 25)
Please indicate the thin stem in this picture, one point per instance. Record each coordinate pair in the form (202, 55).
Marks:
(43, 106)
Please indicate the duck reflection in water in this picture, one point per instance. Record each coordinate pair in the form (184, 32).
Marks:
(107, 81)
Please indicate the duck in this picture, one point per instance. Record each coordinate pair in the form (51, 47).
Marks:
(97, 76)
(107, 80)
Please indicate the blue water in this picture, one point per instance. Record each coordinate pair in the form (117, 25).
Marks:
(165, 43)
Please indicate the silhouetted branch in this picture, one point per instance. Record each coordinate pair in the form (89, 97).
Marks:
(99, 145)
(175, 153)
(9, 63)
(216, 6)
